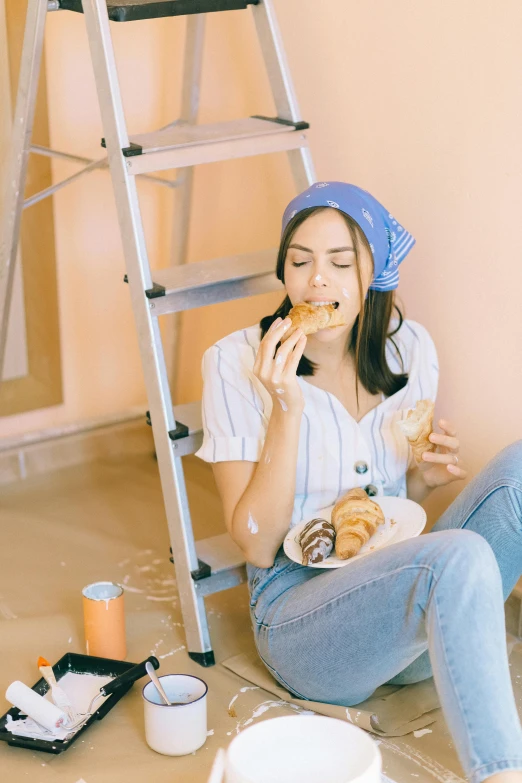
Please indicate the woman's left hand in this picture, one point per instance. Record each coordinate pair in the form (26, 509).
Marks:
(442, 466)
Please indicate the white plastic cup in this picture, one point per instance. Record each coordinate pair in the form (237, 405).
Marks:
(303, 749)
(178, 729)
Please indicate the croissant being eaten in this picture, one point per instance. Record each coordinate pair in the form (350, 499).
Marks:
(311, 318)
(418, 426)
(355, 518)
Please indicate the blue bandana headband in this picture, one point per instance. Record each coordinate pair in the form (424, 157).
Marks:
(389, 242)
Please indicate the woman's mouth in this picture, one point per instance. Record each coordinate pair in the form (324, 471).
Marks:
(322, 304)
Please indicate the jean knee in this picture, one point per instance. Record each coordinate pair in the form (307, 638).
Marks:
(507, 464)
(467, 554)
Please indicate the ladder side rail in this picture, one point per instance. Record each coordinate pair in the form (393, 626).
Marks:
(139, 276)
(192, 68)
(276, 63)
(282, 86)
(190, 94)
(16, 168)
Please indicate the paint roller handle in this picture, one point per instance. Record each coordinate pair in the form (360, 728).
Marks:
(130, 676)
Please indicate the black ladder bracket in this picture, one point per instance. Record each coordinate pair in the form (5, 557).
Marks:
(128, 152)
(299, 126)
(203, 571)
(156, 291)
(181, 431)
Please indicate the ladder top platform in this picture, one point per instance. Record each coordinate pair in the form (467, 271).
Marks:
(133, 10)
(186, 135)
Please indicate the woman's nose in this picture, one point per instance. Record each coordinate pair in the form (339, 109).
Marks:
(318, 279)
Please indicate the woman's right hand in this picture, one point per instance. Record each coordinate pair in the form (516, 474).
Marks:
(278, 373)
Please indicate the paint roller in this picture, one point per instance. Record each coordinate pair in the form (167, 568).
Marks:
(39, 709)
(50, 716)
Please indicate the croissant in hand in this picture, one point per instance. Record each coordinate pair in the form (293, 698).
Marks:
(418, 426)
(311, 318)
(355, 518)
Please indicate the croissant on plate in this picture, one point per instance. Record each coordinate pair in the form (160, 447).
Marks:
(311, 318)
(355, 518)
(316, 540)
(418, 426)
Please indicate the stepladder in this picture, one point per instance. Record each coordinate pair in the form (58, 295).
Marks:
(214, 564)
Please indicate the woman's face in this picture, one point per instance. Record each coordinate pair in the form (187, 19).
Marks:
(320, 265)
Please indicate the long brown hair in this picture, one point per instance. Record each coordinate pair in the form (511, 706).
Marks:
(370, 330)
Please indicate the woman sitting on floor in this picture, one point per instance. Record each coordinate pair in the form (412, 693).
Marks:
(290, 425)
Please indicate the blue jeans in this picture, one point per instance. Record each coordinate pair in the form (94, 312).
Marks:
(429, 606)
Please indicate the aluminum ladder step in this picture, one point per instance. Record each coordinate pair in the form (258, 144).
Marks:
(187, 286)
(225, 561)
(189, 145)
(132, 10)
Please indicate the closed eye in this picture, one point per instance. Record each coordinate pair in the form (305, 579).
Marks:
(339, 266)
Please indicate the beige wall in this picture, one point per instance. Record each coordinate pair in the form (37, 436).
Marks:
(15, 363)
(32, 370)
(417, 102)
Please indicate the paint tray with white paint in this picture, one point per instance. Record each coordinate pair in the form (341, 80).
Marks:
(81, 677)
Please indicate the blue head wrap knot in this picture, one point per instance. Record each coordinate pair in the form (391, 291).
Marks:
(389, 241)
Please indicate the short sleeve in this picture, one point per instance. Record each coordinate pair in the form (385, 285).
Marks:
(232, 410)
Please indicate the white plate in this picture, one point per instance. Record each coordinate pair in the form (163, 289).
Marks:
(408, 517)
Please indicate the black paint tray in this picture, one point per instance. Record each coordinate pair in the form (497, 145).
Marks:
(79, 664)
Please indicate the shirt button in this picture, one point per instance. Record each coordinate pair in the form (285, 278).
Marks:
(371, 490)
(361, 467)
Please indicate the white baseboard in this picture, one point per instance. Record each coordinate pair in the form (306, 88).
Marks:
(39, 452)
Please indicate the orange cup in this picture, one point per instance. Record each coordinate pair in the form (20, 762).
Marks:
(104, 620)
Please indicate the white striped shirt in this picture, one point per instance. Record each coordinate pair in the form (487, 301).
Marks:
(237, 408)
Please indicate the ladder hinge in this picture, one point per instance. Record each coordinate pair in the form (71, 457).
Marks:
(155, 291)
(130, 151)
(203, 571)
(181, 431)
(297, 125)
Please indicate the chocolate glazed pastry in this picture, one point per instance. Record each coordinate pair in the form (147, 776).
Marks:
(316, 540)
